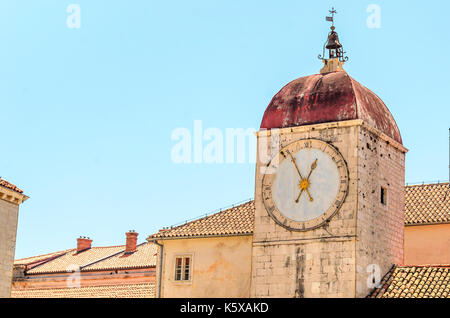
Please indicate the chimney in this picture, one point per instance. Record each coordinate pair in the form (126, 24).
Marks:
(163, 229)
(131, 242)
(83, 243)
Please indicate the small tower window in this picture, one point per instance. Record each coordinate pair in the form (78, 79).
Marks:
(383, 196)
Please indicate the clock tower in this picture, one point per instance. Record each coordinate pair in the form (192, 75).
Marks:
(329, 187)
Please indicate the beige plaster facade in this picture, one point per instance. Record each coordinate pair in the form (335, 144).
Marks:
(221, 267)
(9, 209)
(360, 242)
(427, 244)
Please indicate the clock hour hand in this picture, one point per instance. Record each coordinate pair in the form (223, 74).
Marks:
(298, 198)
(304, 183)
(313, 166)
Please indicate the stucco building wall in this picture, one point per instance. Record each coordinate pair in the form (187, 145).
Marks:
(221, 267)
(427, 244)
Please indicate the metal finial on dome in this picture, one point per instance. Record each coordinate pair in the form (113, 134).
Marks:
(334, 47)
(331, 19)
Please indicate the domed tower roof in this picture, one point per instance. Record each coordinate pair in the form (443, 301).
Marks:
(328, 97)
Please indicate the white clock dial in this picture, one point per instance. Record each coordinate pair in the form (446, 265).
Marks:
(323, 185)
(309, 184)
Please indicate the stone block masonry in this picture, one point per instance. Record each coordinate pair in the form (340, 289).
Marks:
(359, 243)
(8, 229)
(9, 209)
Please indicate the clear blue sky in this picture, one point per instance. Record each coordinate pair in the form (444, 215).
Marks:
(87, 114)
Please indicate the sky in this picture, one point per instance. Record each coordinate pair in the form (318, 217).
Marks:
(90, 98)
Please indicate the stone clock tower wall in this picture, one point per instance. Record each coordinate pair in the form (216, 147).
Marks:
(332, 261)
(316, 263)
(380, 225)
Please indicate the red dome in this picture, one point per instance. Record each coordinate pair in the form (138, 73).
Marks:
(324, 98)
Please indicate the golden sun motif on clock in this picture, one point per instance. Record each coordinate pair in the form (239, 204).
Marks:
(308, 186)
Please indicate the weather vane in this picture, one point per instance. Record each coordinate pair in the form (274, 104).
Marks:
(333, 45)
(331, 19)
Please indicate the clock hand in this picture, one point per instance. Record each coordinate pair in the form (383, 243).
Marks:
(298, 198)
(310, 198)
(301, 177)
(304, 184)
(295, 164)
(313, 166)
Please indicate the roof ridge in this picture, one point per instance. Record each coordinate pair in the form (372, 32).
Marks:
(227, 231)
(426, 266)
(437, 183)
(107, 246)
(222, 210)
(101, 259)
(41, 255)
(66, 250)
(48, 260)
(109, 256)
(8, 185)
(384, 282)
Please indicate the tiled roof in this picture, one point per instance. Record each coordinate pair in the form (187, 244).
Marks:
(415, 282)
(233, 221)
(427, 204)
(71, 259)
(424, 204)
(95, 258)
(9, 185)
(144, 256)
(32, 261)
(144, 290)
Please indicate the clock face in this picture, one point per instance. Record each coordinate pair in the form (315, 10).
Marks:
(308, 185)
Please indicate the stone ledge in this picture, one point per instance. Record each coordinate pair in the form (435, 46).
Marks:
(12, 196)
(338, 124)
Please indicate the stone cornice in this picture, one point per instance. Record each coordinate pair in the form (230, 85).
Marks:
(346, 123)
(12, 196)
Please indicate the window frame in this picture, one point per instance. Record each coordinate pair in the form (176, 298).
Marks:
(176, 268)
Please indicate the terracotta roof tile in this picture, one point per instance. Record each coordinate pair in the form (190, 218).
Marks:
(233, 221)
(144, 290)
(9, 185)
(424, 204)
(71, 259)
(415, 282)
(33, 261)
(144, 256)
(427, 204)
(96, 258)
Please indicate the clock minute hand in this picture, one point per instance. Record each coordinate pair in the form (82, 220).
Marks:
(295, 164)
(310, 197)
